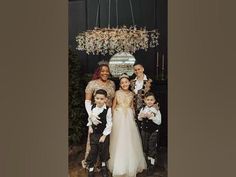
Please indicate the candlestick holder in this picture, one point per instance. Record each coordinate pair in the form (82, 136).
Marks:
(162, 74)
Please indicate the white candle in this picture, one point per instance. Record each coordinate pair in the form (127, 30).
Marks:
(163, 62)
(157, 63)
(157, 59)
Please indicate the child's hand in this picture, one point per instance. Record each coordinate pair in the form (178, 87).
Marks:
(156, 106)
(90, 129)
(149, 115)
(142, 114)
(102, 138)
(140, 118)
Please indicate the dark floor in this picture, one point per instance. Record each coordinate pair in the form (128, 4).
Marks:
(76, 155)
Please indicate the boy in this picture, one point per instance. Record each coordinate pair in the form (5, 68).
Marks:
(99, 133)
(150, 119)
(140, 85)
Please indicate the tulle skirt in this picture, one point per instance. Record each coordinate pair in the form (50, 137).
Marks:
(126, 153)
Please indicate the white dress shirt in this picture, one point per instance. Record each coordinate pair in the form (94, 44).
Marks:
(96, 111)
(139, 83)
(157, 114)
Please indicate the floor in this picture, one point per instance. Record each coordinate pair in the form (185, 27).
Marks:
(76, 155)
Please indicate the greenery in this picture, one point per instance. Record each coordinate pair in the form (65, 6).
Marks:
(77, 112)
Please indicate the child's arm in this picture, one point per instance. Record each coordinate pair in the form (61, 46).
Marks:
(114, 104)
(107, 130)
(141, 115)
(132, 106)
(156, 116)
(156, 106)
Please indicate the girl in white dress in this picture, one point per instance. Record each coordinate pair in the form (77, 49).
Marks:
(126, 153)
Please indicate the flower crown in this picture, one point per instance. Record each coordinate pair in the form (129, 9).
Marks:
(124, 75)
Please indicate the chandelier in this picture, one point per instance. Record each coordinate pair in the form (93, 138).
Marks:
(111, 40)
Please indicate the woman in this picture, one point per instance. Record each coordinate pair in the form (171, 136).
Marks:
(100, 80)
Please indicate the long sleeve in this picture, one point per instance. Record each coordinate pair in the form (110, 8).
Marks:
(107, 130)
(140, 115)
(89, 121)
(88, 107)
(157, 116)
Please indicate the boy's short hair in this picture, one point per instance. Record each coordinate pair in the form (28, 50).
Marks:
(137, 63)
(101, 91)
(149, 94)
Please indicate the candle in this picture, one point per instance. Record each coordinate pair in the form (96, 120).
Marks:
(163, 67)
(157, 59)
(157, 63)
(163, 62)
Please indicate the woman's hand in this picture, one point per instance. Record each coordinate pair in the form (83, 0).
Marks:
(95, 119)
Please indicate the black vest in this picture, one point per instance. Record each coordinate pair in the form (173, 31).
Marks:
(149, 126)
(103, 118)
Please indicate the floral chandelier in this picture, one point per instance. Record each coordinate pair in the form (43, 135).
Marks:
(116, 39)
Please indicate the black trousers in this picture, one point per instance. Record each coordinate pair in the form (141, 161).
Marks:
(150, 143)
(98, 149)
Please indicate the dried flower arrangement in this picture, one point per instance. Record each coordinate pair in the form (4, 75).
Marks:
(114, 40)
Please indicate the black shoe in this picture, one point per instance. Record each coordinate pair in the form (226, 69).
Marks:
(90, 173)
(104, 172)
(150, 170)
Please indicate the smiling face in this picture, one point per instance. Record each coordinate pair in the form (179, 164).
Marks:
(138, 70)
(104, 73)
(100, 99)
(124, 83)
(150, 100)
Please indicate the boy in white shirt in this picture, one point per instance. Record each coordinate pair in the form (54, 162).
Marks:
(99, 133)
(150, 119)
